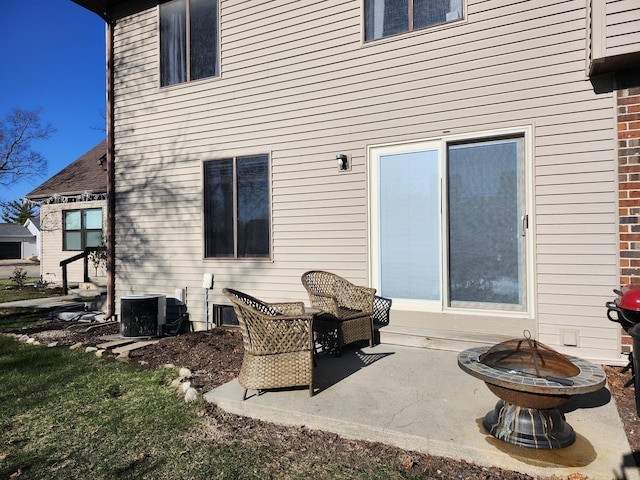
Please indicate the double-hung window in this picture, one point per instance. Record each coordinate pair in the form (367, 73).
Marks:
(450, 223)
(237, 207)
(81, 228)
(188, 40)
(389, 17)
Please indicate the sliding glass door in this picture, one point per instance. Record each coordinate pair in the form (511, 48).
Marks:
(450, 223)
(410, 224)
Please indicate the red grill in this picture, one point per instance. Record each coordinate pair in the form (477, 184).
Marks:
(625, 310)
(626, 306)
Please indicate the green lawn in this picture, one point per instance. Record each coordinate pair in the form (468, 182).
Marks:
(17, 317)
(15, 295)
(6, 282)
(66, 414)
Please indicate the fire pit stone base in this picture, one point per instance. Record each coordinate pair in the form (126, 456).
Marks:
(529, 427)
(527, 413)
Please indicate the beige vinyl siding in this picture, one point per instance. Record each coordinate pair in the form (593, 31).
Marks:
(614, 32)
(622, 26)
(298, 83)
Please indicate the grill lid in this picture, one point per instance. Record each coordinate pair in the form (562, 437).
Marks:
(528, 356)
(630, 298)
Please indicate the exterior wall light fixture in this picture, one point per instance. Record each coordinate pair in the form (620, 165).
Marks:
(343, 162)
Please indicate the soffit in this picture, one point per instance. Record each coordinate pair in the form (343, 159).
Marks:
(103, 7)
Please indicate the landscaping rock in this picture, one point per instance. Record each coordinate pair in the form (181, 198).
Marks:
(191, 395)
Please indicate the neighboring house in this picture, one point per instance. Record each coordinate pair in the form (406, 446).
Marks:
(72, 216)
(33, 225)
(474, 161)
(17, 242)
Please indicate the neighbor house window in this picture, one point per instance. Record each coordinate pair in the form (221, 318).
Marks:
(389, 17)
(237, 207)
(188, 40)
(450, 225)
(81, 228)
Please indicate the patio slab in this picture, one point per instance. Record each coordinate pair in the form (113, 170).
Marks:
(419, 399)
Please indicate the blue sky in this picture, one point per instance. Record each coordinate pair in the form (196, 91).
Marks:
(52, 54)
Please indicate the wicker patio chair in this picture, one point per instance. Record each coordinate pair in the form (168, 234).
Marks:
(381, 308)
(349, 305)
(278, 343)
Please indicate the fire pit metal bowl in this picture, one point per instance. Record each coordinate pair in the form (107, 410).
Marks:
(527, 413)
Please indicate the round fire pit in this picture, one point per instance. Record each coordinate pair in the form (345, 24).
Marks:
(531, 381)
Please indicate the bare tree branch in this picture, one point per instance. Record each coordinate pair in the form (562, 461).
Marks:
(18, 160)
(102, 128)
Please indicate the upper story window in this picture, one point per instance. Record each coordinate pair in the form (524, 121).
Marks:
(237, 207)
(81, 228)
(188, 40)
(389, 17)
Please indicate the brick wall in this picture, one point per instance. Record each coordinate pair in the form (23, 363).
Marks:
(628, 111)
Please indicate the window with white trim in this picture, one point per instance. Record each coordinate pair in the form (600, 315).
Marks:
(390, 17)
(81, 228)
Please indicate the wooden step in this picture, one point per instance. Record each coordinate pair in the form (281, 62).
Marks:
(133, 346)
(119, 345)
(115, 343)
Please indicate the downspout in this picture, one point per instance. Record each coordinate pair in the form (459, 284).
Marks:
(105, 14)
(111, 201)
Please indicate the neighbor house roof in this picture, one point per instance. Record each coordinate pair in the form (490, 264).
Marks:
(86, 174)
(33, 224)
(35, 221)
(14, 230)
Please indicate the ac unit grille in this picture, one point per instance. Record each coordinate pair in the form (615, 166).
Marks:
(142, 315)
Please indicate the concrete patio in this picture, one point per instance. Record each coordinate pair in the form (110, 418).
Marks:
(419, 399)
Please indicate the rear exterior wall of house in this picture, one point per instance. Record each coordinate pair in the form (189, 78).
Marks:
(298, 83)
